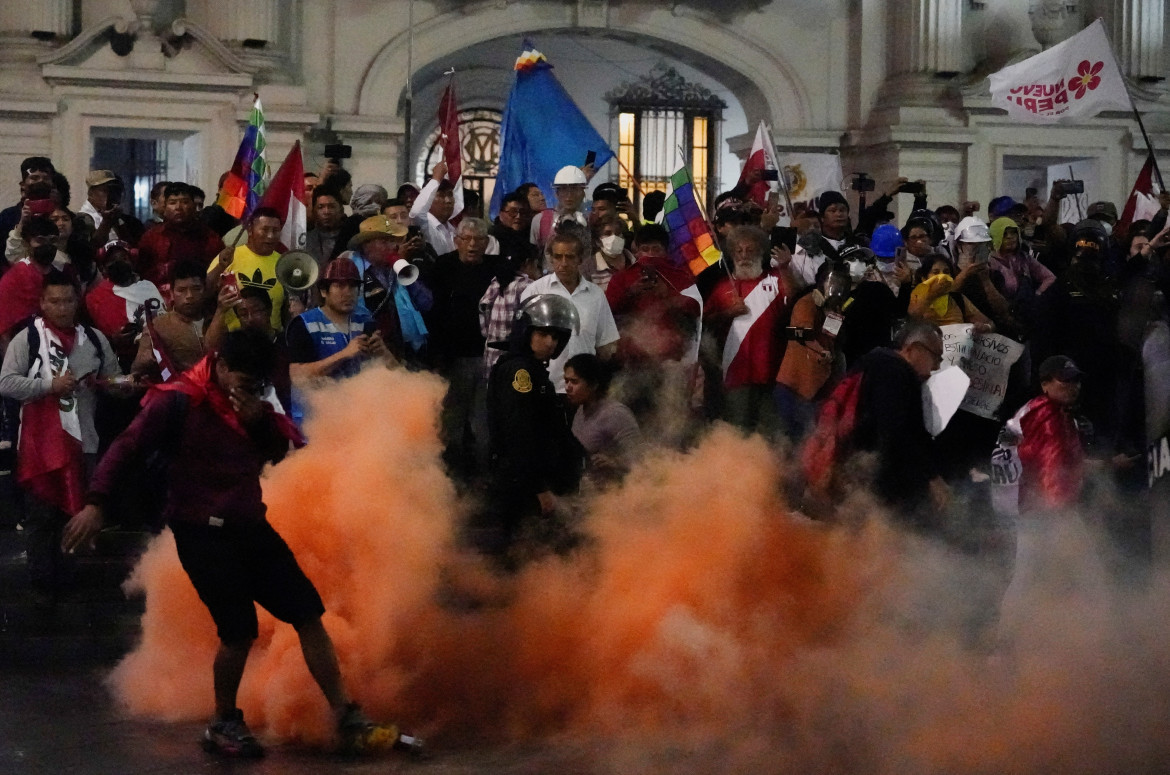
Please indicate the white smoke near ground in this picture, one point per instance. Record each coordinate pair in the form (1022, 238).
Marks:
(703, 627)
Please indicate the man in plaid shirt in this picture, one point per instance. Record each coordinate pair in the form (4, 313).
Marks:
(497, 308)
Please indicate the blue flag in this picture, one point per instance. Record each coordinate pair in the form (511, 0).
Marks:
(543, 130)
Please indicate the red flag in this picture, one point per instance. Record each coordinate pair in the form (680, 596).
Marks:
(1143, 201)
(452, 148)
(49, 459)
(286, 195)
(762, 157)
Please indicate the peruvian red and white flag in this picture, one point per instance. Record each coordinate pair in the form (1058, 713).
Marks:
(452, 148)
(762, 157)
(286, 195)
(1073, 80)
(1143, 199)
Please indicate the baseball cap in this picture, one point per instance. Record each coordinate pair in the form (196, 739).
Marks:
(1102, 211)
(1059, 367)
(1003, 205)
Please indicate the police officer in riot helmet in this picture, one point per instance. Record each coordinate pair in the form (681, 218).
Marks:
(535, 457)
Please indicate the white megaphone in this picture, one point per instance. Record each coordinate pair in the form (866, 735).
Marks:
(406, 271)
(297, 270)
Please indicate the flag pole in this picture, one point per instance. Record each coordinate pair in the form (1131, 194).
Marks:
(781, 177)
(1149, 146)
(407, 135)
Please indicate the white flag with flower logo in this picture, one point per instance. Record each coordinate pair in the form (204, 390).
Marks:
(1073, 80)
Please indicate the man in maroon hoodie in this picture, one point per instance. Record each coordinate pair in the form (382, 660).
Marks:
(219, 432)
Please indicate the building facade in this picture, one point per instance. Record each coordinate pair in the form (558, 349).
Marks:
(897, 87)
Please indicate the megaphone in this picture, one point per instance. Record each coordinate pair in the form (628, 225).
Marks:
(406, 271)
(297, 270)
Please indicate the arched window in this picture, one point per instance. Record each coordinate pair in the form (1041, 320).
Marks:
(658, 115)
(479, 129)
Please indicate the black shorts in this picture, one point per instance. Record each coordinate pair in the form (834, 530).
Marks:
(235, 566)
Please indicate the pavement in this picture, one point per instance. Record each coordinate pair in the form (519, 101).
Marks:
(56, 716)
(56, 721)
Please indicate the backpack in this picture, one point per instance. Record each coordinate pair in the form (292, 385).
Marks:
(34, 344)
(829, 441)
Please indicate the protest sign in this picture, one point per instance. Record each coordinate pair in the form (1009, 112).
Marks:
(942, 395)
(986, 359)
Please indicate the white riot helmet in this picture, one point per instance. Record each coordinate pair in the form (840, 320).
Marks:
(971, 232)
(570, 176)
(971, 229)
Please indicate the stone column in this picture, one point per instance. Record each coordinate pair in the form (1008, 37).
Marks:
(1137, 28)
(53, 17)
(926, 37)
(924, 47)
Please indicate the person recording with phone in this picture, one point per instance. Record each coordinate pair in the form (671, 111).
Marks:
(878, 212)
(42, 204)
(412, 246)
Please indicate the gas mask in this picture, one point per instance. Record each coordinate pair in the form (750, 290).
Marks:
(811, 240)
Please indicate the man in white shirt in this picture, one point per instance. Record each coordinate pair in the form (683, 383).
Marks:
(598, 333)
(432, 211)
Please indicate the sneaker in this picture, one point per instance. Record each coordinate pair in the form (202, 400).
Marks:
(361, 735)
(230, 736)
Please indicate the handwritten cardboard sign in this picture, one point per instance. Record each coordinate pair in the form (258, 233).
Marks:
(986, 359)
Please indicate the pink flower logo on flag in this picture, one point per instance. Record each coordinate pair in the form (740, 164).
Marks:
(1087, 78)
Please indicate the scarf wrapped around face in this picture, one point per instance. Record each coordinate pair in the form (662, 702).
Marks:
(199, 384)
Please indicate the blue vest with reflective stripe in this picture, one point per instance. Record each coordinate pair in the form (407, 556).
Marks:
(327, 340)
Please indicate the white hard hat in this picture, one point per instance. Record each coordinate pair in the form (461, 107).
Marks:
(570, 176)
(971, 229)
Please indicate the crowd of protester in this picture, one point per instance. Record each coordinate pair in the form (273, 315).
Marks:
(572, 343)
(817, 335)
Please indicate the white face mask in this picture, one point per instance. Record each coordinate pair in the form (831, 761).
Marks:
(612, 244)
(1107, 226)
(857, 270)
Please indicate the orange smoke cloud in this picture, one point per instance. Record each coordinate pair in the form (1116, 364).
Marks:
(701, 616)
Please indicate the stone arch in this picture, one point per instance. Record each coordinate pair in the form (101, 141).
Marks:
(765, 85)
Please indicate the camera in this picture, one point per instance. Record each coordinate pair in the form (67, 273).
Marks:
(770, 175)
(862, 182)
(338, 151)
(917, 189)
(1067, 187)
